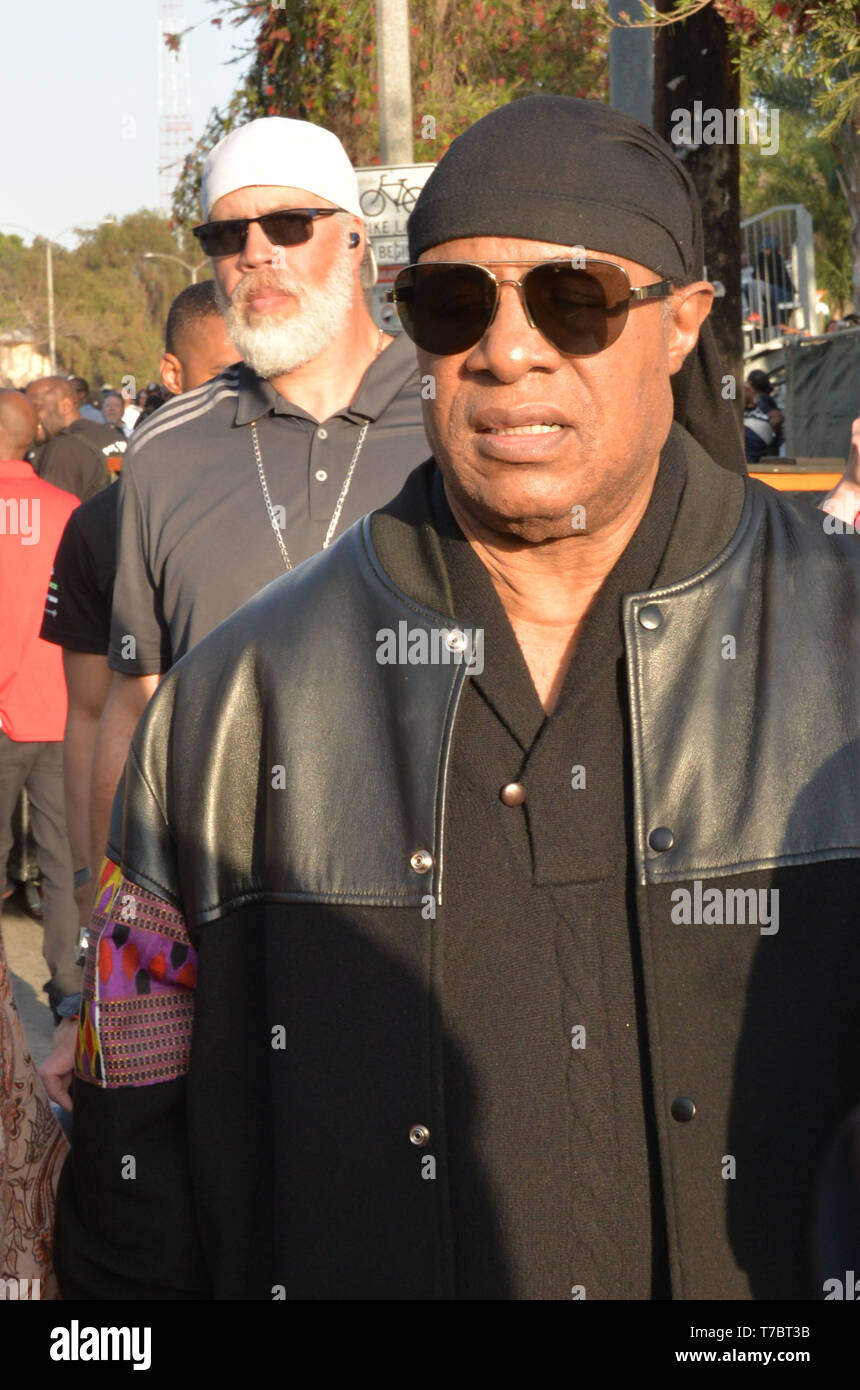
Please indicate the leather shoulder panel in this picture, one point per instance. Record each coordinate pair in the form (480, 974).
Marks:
(291, 762)
(744, 685)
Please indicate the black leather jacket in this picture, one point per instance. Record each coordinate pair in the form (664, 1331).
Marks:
(743, 681)
(280, 786)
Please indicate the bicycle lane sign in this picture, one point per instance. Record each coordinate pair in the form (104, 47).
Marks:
(387, 195)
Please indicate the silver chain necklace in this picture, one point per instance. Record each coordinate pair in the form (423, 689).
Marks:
(332, 526)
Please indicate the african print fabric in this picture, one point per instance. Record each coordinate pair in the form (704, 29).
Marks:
(137, 1005)
(32, 1152)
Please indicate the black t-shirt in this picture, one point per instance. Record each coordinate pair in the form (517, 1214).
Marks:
(77, 610)
(77, 459)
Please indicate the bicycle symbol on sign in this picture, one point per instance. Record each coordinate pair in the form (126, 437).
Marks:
(373, 200)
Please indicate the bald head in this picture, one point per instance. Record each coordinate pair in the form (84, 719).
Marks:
(55, 401)
(17, 424)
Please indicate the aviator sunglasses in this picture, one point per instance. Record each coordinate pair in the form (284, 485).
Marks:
(289, 227)
(446, 307)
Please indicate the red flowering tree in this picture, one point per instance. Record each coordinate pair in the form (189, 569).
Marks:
(316, 60)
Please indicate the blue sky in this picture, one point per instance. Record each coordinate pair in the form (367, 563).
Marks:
(78, 105)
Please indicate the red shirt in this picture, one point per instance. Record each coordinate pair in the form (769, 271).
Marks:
(33, 514)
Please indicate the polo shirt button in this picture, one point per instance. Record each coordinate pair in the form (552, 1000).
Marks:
(322, 434)
(321, 475)
(421, 861)
(683, 1109)
(419, 1135)
(661, 839)
(456, 641)
(513, 794)
(650, 617)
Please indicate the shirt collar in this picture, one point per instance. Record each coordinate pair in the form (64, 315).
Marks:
(384, 379)
(16, 468)
(407, 540)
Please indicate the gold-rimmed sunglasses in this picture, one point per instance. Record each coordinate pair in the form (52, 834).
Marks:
(446, 307)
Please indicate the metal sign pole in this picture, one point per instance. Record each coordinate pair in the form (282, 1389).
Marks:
(395, 84)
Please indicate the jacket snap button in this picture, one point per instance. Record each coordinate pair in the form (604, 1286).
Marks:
(455, 640)
(419, 1135)
(661, 838)
(513, 794)
(421, 861)
(650, 617)
(683, 1109)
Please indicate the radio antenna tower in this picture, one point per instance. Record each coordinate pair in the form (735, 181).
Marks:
(174, 101)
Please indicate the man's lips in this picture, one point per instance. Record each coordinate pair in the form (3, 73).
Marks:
(522, 421)
(527, 433)
(268, 296)
(526, 429)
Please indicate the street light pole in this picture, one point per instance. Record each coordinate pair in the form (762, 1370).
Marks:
(52, 333)
(186, 265)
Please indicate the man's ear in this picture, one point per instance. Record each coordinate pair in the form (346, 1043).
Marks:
(170, 371)
(688, 309)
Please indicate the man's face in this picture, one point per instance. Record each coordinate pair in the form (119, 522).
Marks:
(204, 349)
(284, 305)
(112, 409)
(605, 417)
(45, 402)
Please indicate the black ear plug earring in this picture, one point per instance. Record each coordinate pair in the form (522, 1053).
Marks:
(354, 238)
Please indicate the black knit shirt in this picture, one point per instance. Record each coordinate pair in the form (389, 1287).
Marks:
(542, 985)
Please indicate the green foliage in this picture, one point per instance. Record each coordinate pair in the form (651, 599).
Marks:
(802, 56)
(806, 169)
(110, 305)
(316, 60)
(820, 38)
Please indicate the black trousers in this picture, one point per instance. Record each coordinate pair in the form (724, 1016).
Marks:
(39, 768)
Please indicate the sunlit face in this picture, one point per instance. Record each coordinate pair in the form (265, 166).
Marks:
(524, 433)
(284, 305)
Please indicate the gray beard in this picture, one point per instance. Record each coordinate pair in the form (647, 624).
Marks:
(276, 346)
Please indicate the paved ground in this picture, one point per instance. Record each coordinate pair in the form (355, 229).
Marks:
(22, 938)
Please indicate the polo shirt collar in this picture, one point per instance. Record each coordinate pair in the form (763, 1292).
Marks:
(16, 468)
(384, 379)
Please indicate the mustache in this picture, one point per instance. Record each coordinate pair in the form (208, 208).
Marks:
(267, 279)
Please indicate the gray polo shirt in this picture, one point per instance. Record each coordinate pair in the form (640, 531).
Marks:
(195, 539)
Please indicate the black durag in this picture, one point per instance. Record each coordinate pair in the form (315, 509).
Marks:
(579, 173)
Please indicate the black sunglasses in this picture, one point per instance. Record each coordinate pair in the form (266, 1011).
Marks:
(446, 307)
(287, 227)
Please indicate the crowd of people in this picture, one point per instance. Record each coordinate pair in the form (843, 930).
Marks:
(335, 1075)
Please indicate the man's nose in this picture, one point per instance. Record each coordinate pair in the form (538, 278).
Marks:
(258, 249)
(511, 346)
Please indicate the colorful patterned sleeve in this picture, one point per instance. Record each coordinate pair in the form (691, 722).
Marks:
(127, 1224)
(125, 1204)
(137, 1003)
